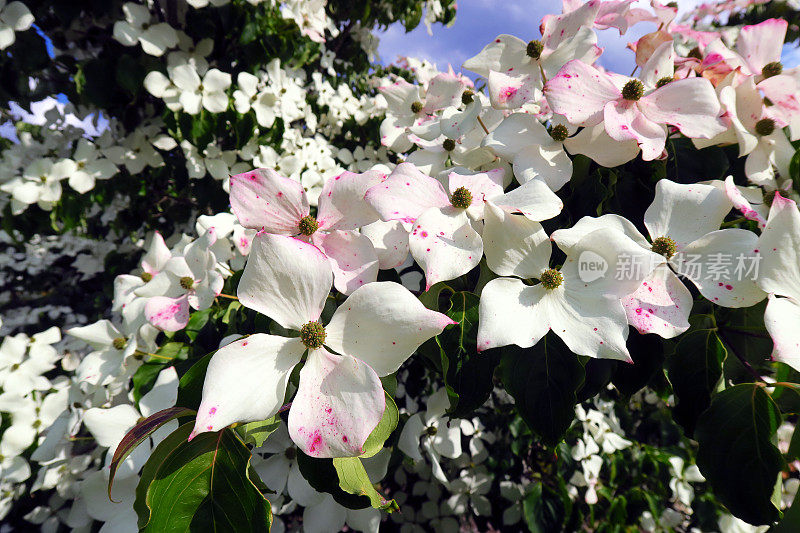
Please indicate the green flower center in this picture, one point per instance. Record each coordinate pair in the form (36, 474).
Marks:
(534, 49)
(146, 276)
(772, 69)
(765, 126)
(416, 107)
(431, 431)
(187, 283)
(312, 335)
(308, 225)
(449, 145)
(559, 132)
(551, 279)
(633, 90)
(663, 81)
(119, 343)
(664, 246)
(461, 198)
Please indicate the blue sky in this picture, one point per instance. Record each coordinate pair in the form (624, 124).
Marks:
(479, 21)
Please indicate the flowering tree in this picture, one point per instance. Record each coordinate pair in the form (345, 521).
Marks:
(542, 295)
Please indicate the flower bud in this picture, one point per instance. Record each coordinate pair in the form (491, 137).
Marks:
(772, 69)
(663, 81)
(664, 246)
(559, 132)
(633, 90)
(534, 49)
(551, 279)
(462, 198)
(765, 126)
(312, 335)
(308, 225)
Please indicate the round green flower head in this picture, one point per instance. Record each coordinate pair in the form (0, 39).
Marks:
(772, 69)
(765, 127)
(431, 431)
(551, 279)
(416, 107)
(664, 246)
(312, 335)
(467, 97)
(462, 198)
(663, 81)
(535, 49)
(146, 276)
(119, 343)
(633, 90)
(559, 132)
(449, 145)
(308, 225)
(187, 283)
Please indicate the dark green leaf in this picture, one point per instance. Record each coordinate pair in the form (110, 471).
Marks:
(468, 375)
(736, 453)
(543, 381)
(190, 387)
(647, 352)
(694, 371)
(202, 485)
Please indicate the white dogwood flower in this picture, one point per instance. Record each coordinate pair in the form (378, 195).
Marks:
(138, 28)
(340, 399)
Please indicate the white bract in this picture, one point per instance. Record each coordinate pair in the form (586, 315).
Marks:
(779, 277)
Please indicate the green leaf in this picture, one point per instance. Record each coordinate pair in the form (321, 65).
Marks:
(255, 433)
(172, 350)
(197, 322)
(736, 453)
(322, 475)
(694, 370)
(384, 429)
(190, 386)
(202, 485)
(139, 433)
(647, 352)
(542, 510)
(353, 479)
(468, 375)
(543, 381)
